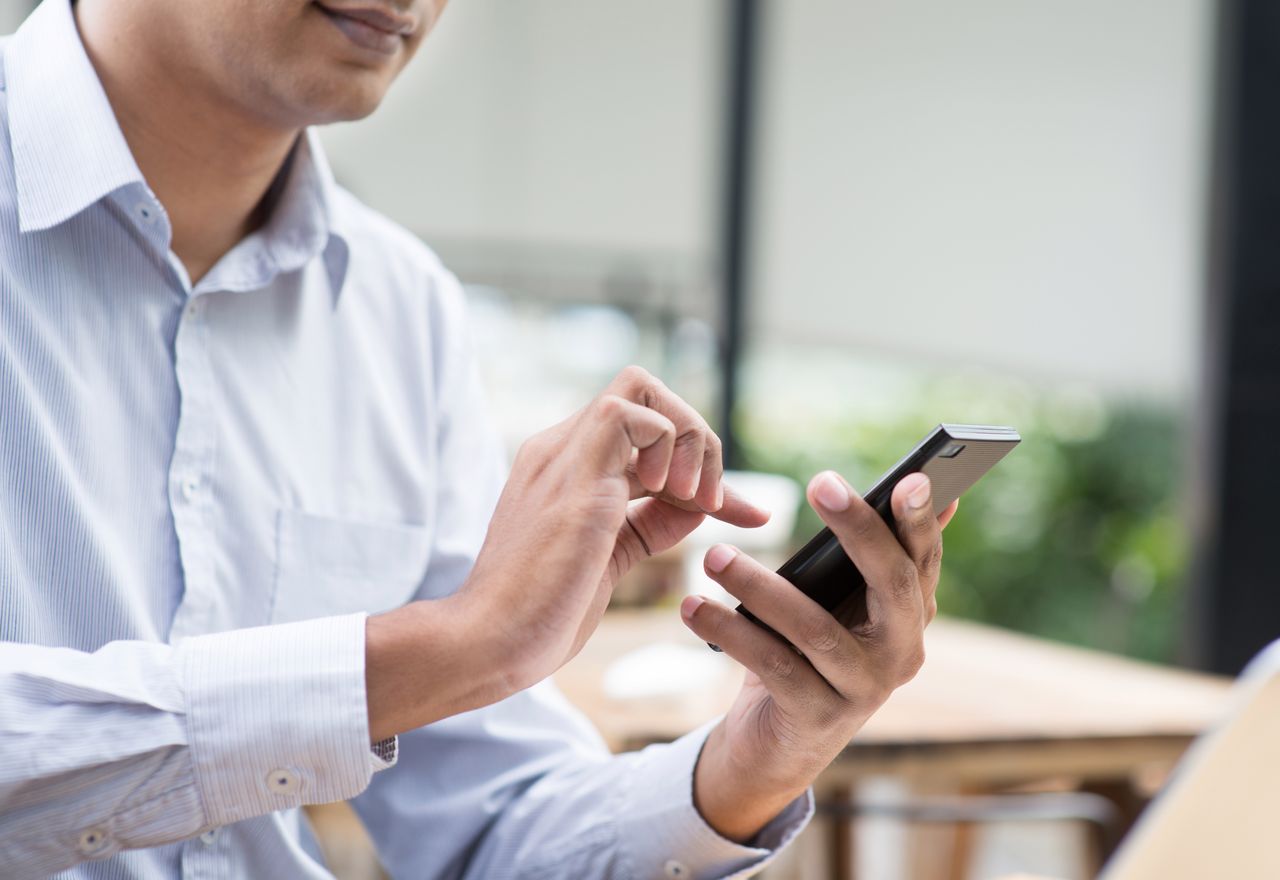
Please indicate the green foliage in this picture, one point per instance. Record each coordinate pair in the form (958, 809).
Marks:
(1076, 536)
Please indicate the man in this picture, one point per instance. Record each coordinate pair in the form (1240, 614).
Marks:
(238, 412)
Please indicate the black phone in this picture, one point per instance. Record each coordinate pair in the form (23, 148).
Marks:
(954, 457)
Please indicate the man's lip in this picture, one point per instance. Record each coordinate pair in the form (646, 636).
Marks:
(384, 18)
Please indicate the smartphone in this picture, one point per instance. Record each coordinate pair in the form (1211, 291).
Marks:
(954, 457)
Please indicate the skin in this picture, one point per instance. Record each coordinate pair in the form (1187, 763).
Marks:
(211, 96)
(631, 474)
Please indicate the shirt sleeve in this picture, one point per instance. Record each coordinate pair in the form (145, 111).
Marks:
(139, 744)
(526, 788)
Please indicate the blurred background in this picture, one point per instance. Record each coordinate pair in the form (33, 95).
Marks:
(987, 212)
(832, 224)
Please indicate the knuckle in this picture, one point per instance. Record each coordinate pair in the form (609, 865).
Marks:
(871, 630)
(779, 664)
(635, 375)
(747, 578)
(903, 581)
(862, 521)
(924, 523)
(932, 559)
(822, 635)
(644, 386)
(690, 438)
(828, 714)
(668, 427)
(912, 663)
(610, 407)
(743, 578)
(711, 625)
(714, 447)
(531, 450)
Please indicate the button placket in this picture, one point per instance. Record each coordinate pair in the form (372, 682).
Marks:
(190, 470)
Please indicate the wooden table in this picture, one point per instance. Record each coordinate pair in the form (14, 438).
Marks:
(990, 709)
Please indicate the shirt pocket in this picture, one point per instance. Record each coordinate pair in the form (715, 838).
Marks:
(327, 566)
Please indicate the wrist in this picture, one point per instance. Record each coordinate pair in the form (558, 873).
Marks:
(733, 796)
(424, 662)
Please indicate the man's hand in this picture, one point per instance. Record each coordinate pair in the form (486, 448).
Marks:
(563, 533)
(799, 707)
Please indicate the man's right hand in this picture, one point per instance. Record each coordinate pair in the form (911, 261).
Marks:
(564, 531)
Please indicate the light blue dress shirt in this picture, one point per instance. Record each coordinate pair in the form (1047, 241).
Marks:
(204, 489)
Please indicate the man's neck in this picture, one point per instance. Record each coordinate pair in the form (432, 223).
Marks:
(208, 164)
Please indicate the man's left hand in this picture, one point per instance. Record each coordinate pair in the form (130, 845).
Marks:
(800, 706)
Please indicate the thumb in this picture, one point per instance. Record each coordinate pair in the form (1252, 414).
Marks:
(651, 527)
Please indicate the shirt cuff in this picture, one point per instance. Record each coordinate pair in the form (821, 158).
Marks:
(385, 753)
(662, 834)
(277, 716)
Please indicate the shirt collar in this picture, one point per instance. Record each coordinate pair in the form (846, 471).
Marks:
(336, 248)
(69, 153)
(305, 222)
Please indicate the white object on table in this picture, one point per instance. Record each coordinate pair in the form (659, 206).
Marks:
(663, 669)
(778, 494)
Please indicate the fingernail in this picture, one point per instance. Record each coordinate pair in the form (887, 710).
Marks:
(919, 496)
(690, 606)
(719, 557)
(693, 485)
(831, 492)
(719, 495)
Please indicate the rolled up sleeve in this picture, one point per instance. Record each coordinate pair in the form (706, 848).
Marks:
(139, 744)
(276, 716)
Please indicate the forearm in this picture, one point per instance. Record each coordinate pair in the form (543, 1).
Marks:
(427, 661)
(738, 801)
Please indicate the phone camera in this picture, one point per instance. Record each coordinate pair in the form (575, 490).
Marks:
(951, 450)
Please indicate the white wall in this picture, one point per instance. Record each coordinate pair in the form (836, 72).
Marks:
(575, 123)
(1005, 182)
(1001, 181)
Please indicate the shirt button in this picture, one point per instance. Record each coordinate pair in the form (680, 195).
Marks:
(193, 308)
(675, 869)
(145, 211)
(190, 487)
(210, 837)
(92, 841)
(283, 781)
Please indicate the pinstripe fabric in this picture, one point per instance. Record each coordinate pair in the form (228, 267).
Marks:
(204, 490)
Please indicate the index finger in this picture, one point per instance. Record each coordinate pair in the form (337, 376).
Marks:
(735, 510)
(698, 467)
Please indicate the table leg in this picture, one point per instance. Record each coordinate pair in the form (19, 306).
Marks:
(842, 852)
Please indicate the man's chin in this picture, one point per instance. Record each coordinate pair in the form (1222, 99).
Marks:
(350, 98)
(350, 112)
